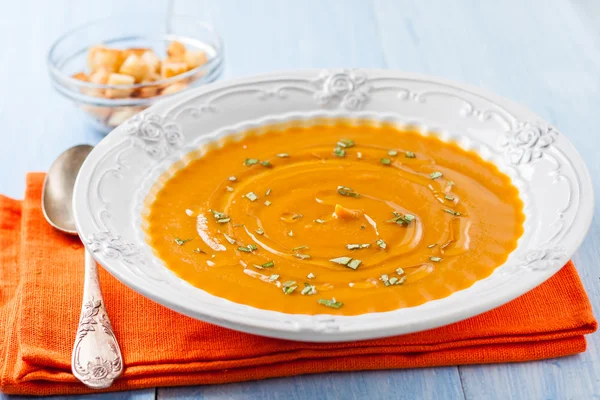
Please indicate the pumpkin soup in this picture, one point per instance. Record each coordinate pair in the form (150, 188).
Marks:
(339, 217)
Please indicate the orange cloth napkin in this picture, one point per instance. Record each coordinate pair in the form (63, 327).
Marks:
(41, 281)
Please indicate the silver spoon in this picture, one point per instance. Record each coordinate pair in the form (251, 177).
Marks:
(96, 359)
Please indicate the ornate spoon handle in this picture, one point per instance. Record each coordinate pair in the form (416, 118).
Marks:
(96, 359)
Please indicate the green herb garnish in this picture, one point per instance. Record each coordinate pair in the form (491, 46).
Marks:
(251, 196)
(393, 280)
(436, 175)
(330, 303)
(354, 264)
(400, 219)
(339, 152)
(260, 231)
(409, 154)
(399, 271)
(248, 249)
(385, 161)
(346, 191)
(283, 155)
(449, 198)
(358, 246)
(223, 220)
(250, 161)
(310, 275)
(273, 277)
(266, 164)
(345, 143)
(267, 203)
(435, 259)
(181, 242)
(289, 287)
(341, 260)
(393, 153)
(455, 213)
(381, 243)
(268, 264)
(308, 289)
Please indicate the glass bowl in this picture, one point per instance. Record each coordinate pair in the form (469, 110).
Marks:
(68, 56)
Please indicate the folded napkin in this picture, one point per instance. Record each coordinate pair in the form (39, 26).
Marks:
(41, 281)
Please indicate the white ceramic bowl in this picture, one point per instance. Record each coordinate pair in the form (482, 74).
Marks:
(552, 180)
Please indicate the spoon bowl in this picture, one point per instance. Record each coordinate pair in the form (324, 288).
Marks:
(57, 193)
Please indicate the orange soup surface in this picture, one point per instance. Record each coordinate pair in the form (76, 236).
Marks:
(338, 217)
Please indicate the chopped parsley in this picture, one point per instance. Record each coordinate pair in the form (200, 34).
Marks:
(289, 287)
(341, 260)
(330, 303)
(347, 261)
(345, 143)
(267, 203)
(181, 242)
(455, 213)
(393, 153)
(436, 175)
(251, 196)
(248, 249)
(400, 219)
(399, 271)
(308, 289)
(266, 164)
(310, 276)
(268, 264)
(273, 277)
(260, 231)
(409, 154)
(339, 152)
(358, 246)
(385, 161)
(250, 161)
(346, 191)
(451, 198)
(381, 243)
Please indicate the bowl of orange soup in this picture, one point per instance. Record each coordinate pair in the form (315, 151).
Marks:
(333, 205)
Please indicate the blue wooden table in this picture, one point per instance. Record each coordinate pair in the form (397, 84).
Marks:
(544, 54)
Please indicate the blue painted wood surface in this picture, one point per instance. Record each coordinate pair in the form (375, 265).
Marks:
(544, 54)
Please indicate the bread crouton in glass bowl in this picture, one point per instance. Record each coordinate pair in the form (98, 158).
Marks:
(116, 67)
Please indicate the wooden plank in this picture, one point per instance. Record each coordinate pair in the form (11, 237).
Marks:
(425, 384)
(145, 394)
